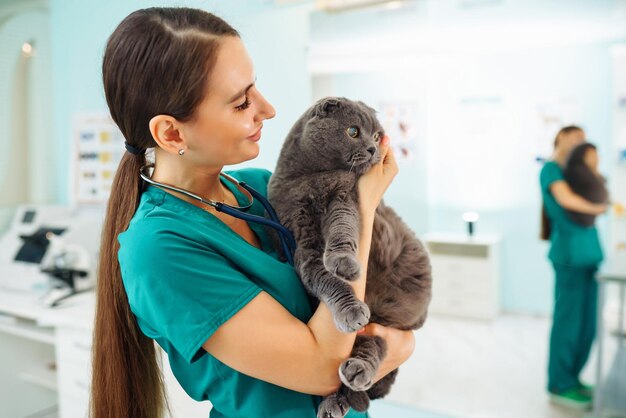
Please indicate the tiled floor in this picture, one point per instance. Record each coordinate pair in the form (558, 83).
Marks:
(474, 369)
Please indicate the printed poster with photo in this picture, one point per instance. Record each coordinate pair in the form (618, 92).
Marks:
(550, 115)
(400, 123)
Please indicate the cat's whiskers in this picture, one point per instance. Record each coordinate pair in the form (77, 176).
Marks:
(352, 166)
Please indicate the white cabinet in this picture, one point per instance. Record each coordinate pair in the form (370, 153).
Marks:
(27, 366)
(33, 339)
(73, 354)
(466, 274)
(74, 378)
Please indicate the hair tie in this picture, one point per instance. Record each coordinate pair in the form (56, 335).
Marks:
(133, 150)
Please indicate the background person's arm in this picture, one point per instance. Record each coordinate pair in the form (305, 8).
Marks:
(569, 200)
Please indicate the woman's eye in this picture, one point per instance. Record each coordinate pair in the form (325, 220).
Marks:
(377, 136)
(244, 105)
(353, 132)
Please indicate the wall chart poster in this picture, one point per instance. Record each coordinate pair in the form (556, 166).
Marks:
(98, 149)
(550, 115)
(400, 123)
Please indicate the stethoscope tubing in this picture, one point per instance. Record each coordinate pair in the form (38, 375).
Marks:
(282, 231)
(272, 213)
(287, 241)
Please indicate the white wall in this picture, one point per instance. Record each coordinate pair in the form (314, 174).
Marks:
(482, 76)
(25, 109)
(275, 37)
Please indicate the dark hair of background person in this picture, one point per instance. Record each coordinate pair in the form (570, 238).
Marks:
(157, 61)
(577, 156)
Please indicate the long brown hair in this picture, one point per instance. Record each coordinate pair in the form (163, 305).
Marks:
(156, 61)
(546, 226)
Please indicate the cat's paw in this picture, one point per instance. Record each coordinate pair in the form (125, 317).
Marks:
(333, 406)
(354, 317)
(359, 401)
(343, 265)
(357, 374)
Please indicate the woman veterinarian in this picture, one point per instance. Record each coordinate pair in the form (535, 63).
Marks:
(209, 288)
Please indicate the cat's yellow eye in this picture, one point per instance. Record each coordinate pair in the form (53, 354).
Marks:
(353, 132)
(377, 136)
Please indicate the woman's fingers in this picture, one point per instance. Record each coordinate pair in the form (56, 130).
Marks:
(384, 149)
(390, 162)
(373, 329)
(388, 158)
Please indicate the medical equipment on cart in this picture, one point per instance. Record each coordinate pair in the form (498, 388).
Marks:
(50, 250)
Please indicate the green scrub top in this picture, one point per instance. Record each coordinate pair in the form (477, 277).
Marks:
(573, 245)
(186, 273)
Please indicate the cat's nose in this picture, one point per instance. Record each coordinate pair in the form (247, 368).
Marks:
(372, 150)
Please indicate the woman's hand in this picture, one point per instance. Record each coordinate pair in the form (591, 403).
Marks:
(373, 184)
(400, 346)
(567, 199)
(602, 208)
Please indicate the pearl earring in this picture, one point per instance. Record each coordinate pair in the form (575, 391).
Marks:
(181, 151)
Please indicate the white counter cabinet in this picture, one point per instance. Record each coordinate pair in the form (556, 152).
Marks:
(466, 274)
(48, 356)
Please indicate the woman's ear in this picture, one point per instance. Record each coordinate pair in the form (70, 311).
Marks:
(326, 106)
(165, 132)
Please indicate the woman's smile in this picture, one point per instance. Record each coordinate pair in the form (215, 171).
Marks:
(256, 135)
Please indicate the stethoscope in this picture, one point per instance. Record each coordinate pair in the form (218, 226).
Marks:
(287, 241)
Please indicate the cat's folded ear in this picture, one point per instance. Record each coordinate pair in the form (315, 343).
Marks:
(326, 106)
(371, 109)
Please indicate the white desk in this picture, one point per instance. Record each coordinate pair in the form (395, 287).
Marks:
(27, 362)
(34, 338)
(609, 400)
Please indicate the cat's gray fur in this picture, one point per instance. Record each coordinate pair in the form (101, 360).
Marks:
(314, 192)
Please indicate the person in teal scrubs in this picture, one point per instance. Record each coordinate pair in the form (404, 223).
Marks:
(210, 289)
(575, 254)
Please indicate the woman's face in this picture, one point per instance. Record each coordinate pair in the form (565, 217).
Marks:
(591, 158)
(227, 124)
(567, 142)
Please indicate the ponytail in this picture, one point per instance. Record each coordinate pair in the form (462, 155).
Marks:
(546, 226)
(126, 380)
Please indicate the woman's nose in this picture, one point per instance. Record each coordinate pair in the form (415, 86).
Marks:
(271, 111)
(266, 110)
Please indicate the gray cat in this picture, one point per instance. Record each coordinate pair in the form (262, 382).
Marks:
(314, 192)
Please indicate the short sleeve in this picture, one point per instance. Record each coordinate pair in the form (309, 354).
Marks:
(181, 289)
(550, 173)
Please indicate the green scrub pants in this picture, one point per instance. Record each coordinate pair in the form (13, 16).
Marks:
(573, 325)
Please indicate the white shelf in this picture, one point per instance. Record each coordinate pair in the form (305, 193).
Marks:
(21, 304)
